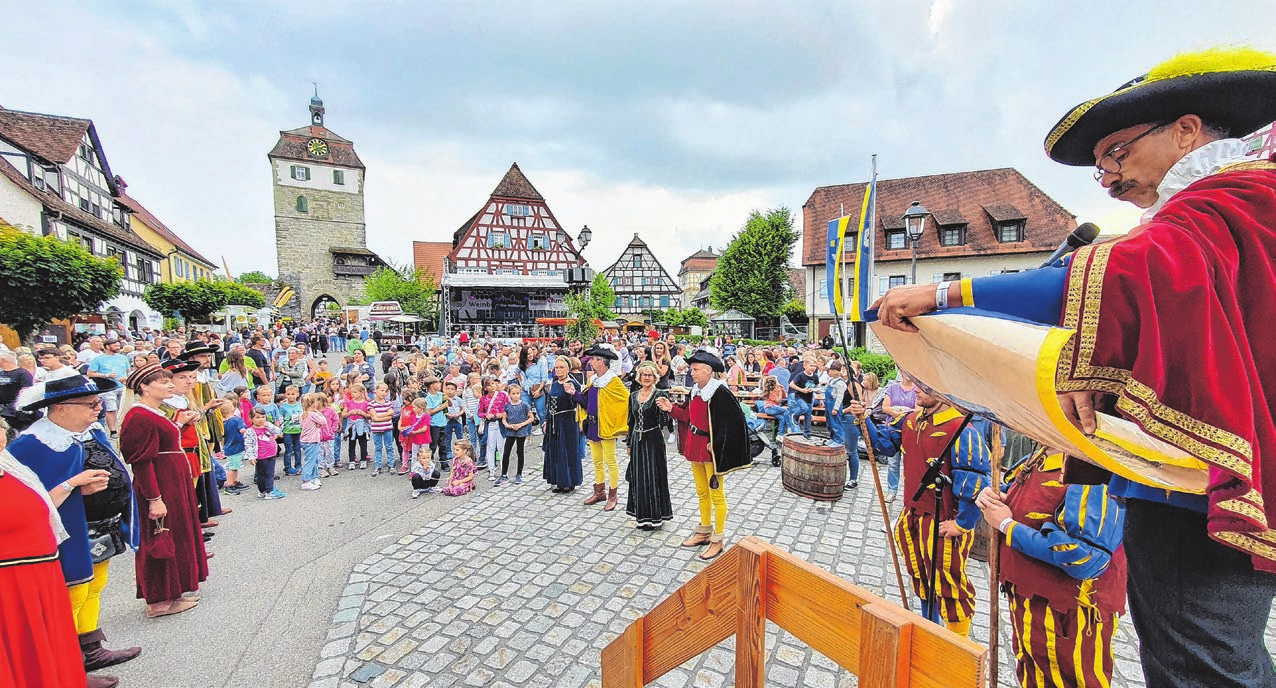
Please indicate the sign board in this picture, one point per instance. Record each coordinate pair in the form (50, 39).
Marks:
(381, 310)
(1262, 143)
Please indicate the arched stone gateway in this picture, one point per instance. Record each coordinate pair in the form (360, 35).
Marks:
(321, 305)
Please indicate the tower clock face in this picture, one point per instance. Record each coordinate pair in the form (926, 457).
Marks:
(317, 147)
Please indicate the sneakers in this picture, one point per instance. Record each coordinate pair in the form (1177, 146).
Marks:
(852, 484)
(272, 495)
(501, 481)
(481, 467)
(376, 472)
(417, 493)
(292, 471)
(311, 485)
(403, 470)
(518, 479)
(354, 466)
(434, 490)
(323, 472)
(363, 465)
(890, 498)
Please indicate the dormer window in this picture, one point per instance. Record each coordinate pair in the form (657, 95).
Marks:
(1010, 232)
(896, 240)
(952, 235)
(518, 210)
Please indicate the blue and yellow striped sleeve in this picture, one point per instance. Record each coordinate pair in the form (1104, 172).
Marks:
(1086, 531)
(1034, 295)
(971, 470)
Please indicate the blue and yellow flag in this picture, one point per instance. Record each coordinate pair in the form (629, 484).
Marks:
(863, 256)
(833, 264)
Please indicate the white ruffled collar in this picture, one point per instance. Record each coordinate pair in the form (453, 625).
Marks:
(178, 402)
(1199, 164)
(56, 437)
(707, 391)
(601, 381)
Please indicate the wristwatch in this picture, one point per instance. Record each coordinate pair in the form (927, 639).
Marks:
(67, 486)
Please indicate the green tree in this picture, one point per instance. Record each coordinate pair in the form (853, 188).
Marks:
(752, 273)
(694, 316)
(255, 277)
(412, 288)
(44, 279)
(193, 301)
(586, 308)
(794, 310)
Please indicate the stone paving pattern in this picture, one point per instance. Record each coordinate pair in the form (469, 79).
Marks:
(517, 586)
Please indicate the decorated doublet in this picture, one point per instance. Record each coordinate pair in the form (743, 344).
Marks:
(696, 447)
(923, 438)
(606, 408)
(1063, 568)
(713, 428)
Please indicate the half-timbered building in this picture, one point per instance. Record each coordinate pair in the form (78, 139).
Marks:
(508, 264)
(640, 281)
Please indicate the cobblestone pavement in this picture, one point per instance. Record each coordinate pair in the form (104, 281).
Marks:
(517, 586)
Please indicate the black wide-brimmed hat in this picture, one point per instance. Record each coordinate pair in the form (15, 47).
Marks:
(71, 387)
(179, 365)
(603, 351)
(195, 348)
(708, 356)
(1233, 88)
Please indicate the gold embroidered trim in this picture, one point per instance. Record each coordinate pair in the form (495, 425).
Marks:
(1074, 372)
(1248, 543)
(1245, 510)
(1247, 165)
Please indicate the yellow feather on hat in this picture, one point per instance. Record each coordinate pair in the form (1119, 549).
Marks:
(1212, 60)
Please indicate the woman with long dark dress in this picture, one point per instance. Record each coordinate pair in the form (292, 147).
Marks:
(647, 474)
(562, 433)
(165, 489)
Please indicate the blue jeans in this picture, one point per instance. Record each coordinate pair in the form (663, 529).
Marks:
(310, 461)
(892, 473)
(450, 431)
(779, 413)
(835, 428)
(851, 438)
(336, 450)
(264, 475)
(799, 407)
(383, 449)
(292, 451)
(476, 442)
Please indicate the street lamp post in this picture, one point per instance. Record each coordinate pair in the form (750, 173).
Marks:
(915, 227)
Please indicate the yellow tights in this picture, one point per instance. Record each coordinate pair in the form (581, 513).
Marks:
(713, 501)
(86, 599)
(604, 455)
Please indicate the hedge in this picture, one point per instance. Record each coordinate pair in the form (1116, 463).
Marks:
(880, 364)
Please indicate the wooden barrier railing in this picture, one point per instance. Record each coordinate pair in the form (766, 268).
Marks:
(880, 642)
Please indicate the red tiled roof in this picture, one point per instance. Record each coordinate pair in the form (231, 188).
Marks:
(70, 213)
(979, 197)
(51, 137)
(292, 146)
(159, 227)
(516, 185)
(431, 256)
(797, 278)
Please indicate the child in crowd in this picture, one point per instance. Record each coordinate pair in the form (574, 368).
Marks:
(381, 422)
(414, 427)
(438, 417)
(425, 478)
(392, 383)
(772, 404)
(313, 424)
(245, 404)
(333, 389)
(322, 375)
(455, 421)
(290, 409)
(461, 480)
(470, 401)
(355, 412)
(260, 449)
(516, 425)
(265, 396)
(233, 444)
(833, 402)
(491, 409)
(329, 437)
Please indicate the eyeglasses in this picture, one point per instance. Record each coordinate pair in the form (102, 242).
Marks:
(1110, 163)
(96, 403)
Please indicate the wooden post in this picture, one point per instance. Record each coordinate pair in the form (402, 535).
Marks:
(881, 503)
(994, 568)
(622, 660)
(886, 640)
(750, 634)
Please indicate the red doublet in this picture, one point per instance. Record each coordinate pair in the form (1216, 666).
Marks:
(694, 415)
(924, 438)
(190, 445)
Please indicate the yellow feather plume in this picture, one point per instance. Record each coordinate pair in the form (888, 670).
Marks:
(1211, 61)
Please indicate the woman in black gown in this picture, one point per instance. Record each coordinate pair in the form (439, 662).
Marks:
(562, 467)
(647, 474)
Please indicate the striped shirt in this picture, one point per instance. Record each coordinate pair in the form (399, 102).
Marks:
(381, 407)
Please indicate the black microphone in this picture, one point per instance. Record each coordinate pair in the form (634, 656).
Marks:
(1083, 235)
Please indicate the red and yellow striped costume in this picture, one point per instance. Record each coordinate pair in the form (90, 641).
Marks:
(1063, 570)
(923, 436)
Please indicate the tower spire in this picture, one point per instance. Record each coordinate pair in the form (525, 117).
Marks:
(316, 107)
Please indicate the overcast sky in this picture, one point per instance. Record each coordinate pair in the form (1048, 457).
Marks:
(669, 119)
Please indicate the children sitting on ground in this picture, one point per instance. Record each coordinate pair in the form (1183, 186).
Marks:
(461, 480)
(313, 424)
(260, 450)
(425, 478)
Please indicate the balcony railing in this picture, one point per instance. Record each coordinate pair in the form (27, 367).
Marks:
(356, 270)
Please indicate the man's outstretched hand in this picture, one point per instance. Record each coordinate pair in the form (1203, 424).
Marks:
(897, 305)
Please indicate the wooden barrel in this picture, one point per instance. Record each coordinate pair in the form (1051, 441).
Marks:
(814, 469)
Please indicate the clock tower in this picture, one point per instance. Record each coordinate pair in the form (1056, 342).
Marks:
(320, 236)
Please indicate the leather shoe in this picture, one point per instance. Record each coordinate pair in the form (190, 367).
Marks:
(712, 551)
(696, 540)
(95, 681)
(98, 657)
